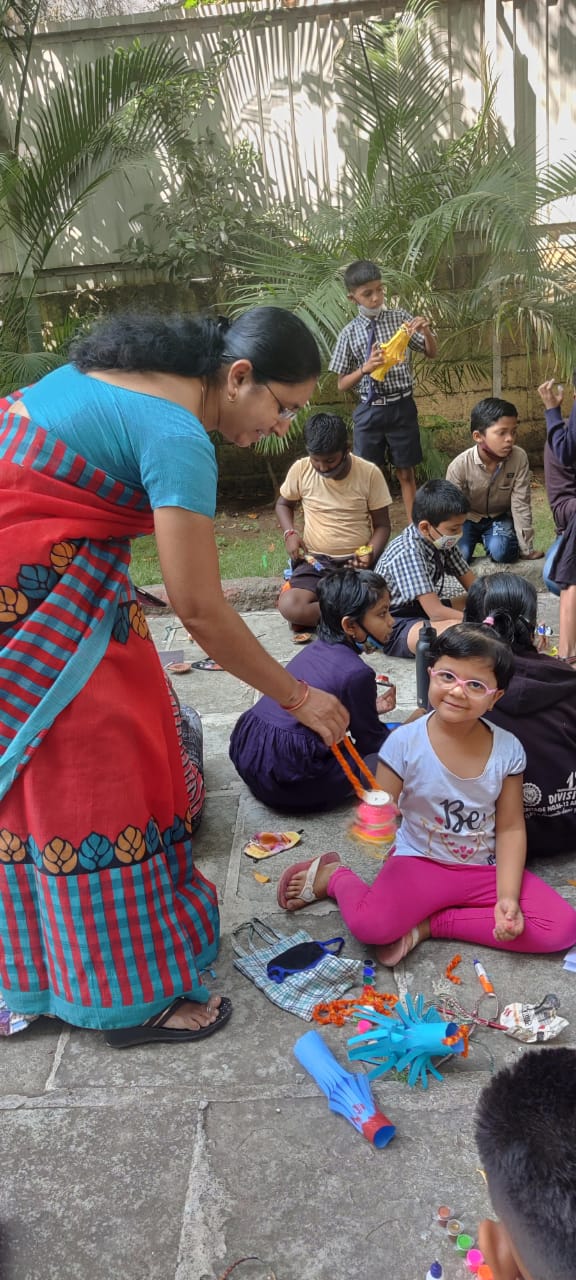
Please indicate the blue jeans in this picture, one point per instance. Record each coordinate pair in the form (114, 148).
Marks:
(497, 536)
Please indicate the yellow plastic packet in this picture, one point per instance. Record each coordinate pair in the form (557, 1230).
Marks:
(393, 352)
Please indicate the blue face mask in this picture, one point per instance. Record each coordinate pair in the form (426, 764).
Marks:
(370, 639)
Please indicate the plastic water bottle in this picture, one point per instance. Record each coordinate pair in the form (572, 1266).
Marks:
(435, 1272)
(427, 635)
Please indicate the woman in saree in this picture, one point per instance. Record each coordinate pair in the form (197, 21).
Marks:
(105, 921)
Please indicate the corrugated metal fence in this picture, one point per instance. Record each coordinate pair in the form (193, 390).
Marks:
(279, 92)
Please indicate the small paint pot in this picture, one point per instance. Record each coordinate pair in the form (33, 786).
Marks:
(485, 1272)
(464, 1243)
(474, 1260)
(453, 1227)
(443, 1215)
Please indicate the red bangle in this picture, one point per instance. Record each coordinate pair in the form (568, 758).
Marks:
(288, 532)
(295, 706)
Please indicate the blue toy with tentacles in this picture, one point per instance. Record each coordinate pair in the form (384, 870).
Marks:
(410, 1037)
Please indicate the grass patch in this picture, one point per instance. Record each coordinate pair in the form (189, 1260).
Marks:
(247, 551)
(258, 554)
(544, 531)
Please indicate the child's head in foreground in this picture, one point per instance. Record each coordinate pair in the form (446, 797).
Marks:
(327, 444)
(354, 608)
(439, 511)
(526, 1136)
(470, 668)
(363, 283)
(511, 602)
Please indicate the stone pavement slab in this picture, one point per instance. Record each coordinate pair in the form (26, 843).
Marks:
(171, 1163)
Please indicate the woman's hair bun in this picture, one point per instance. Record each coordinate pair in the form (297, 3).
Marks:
(190, 346)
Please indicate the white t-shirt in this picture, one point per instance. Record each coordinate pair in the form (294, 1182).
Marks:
(444, 817)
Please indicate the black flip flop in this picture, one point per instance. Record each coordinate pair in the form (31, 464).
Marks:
(155, 1032)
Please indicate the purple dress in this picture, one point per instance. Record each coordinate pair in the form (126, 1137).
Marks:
(286, 765)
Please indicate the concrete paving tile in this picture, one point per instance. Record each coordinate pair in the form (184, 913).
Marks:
(28, 1059)
(95, 1194)
(212, 840)
(321, 832)
(314, 1200)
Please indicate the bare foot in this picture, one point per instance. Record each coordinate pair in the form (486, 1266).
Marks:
(293, 900)
(191, 1016)
(396, 951)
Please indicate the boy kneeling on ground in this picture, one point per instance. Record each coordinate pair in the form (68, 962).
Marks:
(495, 477)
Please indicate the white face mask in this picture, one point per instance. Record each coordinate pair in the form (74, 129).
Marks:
(369, 313)
(446, 541)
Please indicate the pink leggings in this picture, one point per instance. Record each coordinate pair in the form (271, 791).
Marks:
(458, 901)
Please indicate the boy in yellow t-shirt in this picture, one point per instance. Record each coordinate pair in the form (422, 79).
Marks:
(345, 504)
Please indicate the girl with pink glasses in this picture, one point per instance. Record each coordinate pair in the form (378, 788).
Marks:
(458, 867)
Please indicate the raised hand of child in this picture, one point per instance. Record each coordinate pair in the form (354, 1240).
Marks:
(374, 359)
(508, 920)
(386, 702)
(551, 394)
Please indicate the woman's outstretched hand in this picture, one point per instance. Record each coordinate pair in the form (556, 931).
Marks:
(323, 713)
(508, 920)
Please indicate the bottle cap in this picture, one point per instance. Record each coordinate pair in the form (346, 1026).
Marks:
(377, 799)
(435, 1271)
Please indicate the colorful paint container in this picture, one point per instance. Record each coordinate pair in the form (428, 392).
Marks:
(474, 1260)
(443, 1215)
(464, 1243)
(485, 1272)
(454, 1228)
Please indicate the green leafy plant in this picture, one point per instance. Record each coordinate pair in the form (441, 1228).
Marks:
(457, 224)
(106, 115)
(217, 205)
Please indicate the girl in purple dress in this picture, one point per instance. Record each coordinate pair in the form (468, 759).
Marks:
(284, 764)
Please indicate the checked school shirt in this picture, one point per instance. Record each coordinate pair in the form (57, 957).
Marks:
(351, 351)
(411, 567)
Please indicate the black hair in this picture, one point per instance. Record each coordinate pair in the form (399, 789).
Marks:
(489, 411)
(465, 640)
(277, 343)
(346, 593)
(325, 433)
(359, 273)
(438, 500)
(511, 601)
(526, 1136)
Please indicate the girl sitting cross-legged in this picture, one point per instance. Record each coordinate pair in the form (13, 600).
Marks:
(458, 867)
(285, 765)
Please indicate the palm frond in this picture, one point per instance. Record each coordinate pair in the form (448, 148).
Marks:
(21, 368)
(103, 113)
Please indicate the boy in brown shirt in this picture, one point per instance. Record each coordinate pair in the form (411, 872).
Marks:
(494, 476)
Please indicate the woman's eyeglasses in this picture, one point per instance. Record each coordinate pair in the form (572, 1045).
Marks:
(447, 679)
(285, 414)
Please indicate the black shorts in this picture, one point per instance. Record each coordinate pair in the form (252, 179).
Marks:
(388, 429)
(306, 577)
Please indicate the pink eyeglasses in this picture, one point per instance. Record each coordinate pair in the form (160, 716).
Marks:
(447, 679)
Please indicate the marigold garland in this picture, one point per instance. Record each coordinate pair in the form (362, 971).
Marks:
(449, 971)
(337, 1012)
